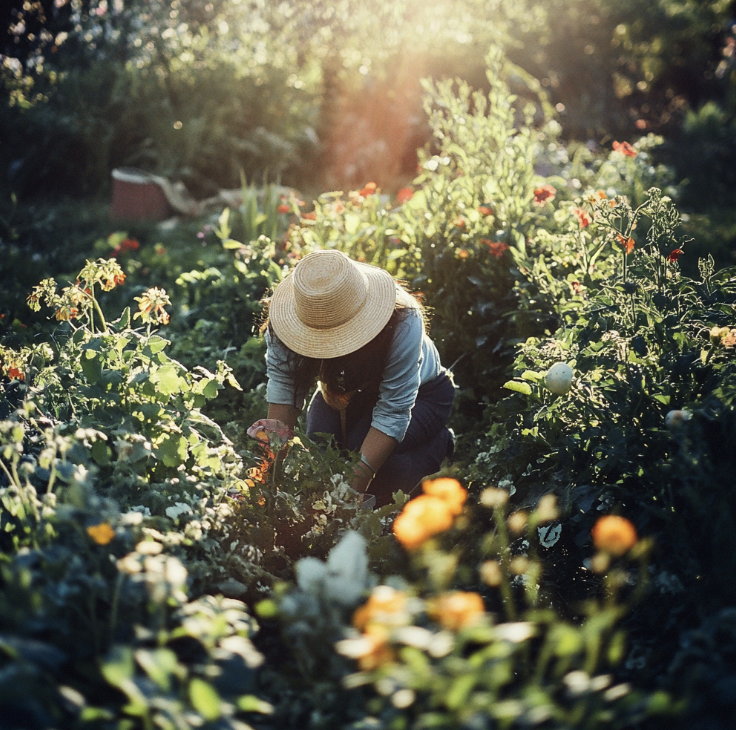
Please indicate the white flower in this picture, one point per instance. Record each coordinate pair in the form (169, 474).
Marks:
(676, 419)
(558, 378)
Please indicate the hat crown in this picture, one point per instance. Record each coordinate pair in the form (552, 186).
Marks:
(329, 289)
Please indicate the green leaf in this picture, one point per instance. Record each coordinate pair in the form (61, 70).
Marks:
(533, 376)
(352, 223)
(124, 321)
(91, 366)
(664, 399)
(101, 453)
(159, 665)
(166, 380)
(120, 667)
(231, 243)
(251, 703)
(205, 699)
(172, 450)
(210, 389)
(230, 380)
(518, 387)
(155, 344)
(459, 691)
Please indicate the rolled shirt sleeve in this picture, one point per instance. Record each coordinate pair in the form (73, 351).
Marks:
(280, 386)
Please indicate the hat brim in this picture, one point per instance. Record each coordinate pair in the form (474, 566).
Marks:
(348, 337)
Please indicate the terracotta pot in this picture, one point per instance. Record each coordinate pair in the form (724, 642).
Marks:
(136, 196)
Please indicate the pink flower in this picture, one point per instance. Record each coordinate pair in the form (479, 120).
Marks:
(582, 216)
(543, 194)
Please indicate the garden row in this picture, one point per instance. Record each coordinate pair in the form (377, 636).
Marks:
(141, 531)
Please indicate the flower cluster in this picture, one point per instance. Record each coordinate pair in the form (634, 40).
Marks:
(431, 513)
(107, 273)
(151, 305)
(625, 148)
(126, 245)
(495, 248)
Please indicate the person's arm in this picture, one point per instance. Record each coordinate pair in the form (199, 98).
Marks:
(376, 448)
(283, 412)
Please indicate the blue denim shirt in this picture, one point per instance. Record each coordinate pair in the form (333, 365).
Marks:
(412, 361)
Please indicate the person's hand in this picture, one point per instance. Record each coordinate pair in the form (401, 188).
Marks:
(263, 429)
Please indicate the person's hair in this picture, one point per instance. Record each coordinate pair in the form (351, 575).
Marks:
(360, 370)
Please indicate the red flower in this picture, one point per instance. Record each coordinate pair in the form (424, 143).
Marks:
(283, 208)
(404, 195)
(582, 216)
(459, 222)
(369, 189)
(130, 244)
(310, 216)
(13, 372)
(674, 255)
(627, 243)
(625, 148)
(543, 194)
(485, 210)
(495, 248)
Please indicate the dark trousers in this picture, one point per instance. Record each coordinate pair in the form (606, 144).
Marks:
(421, 452)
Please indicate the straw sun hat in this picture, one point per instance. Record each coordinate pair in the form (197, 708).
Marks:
(330, 305)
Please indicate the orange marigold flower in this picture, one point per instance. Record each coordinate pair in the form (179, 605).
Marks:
(602, 194)
(614, 535)
(456, 610)
(459, 222)
(625, 148)
(674, 255)
(582, 216)
(310, 216)
(462, 253)
(485, 210)
(449, 491)
(284, 208)
(404, 195)
(384, 606)
(627, 243)
(495, 248)
(544, 193)
(377, 650)
(15, 373)
(369, 189)
(421, 519)
(102, 534)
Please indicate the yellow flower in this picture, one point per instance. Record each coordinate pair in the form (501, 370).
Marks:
(420, 519)
(456, 610)
(614, 535)
(385, 606)
(102, 534)
(449, 491)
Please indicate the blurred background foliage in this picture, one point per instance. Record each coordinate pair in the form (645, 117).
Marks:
(324, 95)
